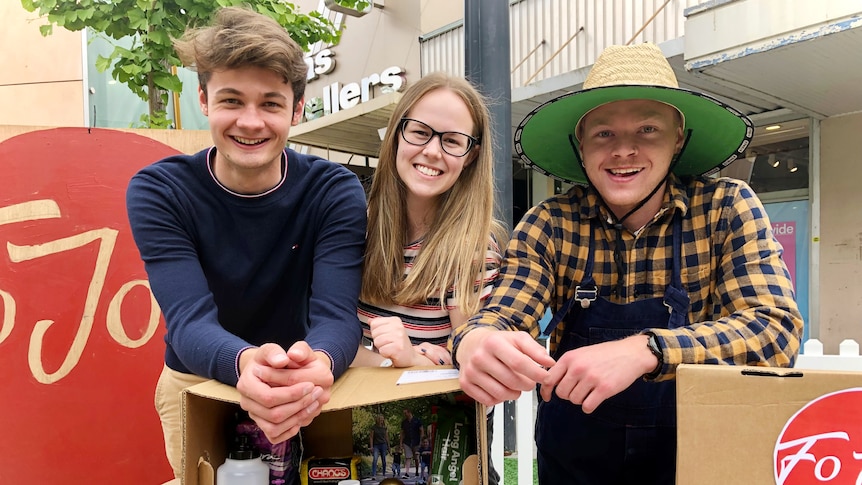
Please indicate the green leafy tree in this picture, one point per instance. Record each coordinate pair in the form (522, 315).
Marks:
(146, 66)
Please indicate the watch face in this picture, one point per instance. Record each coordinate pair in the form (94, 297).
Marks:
(652, 343)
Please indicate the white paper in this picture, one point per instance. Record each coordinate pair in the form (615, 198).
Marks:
(426, 375)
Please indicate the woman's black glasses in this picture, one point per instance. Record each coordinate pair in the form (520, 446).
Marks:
(454, 143)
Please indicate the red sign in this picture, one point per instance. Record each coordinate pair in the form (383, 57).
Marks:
(328, 473)
(80, 334)
(822, 442)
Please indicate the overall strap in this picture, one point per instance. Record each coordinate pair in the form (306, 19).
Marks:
(676, 298)
(585, 292)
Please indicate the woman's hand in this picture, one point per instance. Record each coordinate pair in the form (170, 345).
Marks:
(434, 354)
(391, 340)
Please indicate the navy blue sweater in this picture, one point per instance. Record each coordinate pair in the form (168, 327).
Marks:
(229, 271)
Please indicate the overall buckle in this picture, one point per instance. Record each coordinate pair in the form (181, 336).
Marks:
(585, 296)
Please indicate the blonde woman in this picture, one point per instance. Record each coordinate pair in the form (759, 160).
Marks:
(432, 246)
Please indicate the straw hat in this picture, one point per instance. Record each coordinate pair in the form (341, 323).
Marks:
(719, 134)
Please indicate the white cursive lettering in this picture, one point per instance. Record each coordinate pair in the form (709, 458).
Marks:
(788, 463)
(48, 209)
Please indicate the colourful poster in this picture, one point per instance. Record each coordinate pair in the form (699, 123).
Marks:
(791, 229)
(785, 233)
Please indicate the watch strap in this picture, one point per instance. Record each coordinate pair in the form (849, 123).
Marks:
(653, 346)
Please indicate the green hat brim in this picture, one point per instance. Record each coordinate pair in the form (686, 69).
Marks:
(719, 133)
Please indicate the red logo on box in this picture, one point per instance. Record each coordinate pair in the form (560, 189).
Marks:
(822, 442)
(328, 473)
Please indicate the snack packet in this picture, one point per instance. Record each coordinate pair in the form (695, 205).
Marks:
(454, 441)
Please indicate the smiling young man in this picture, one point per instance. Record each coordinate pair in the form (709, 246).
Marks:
(253, 250)
(646, 264)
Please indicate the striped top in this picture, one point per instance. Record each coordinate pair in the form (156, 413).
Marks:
(428, 321)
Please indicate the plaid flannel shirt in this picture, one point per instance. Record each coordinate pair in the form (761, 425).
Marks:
(742, 308)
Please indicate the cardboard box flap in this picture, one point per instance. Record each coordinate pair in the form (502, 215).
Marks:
(206, 408)
(362, 386)
(359, 386)
(215, 390)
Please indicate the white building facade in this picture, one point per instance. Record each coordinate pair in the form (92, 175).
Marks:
(791, 65)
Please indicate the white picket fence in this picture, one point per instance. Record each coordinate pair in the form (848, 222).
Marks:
(812, 357)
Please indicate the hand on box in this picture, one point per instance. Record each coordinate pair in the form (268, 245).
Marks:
(497, 365)
(430, 354)
(283, 391)
(588, 375)
(391, 341)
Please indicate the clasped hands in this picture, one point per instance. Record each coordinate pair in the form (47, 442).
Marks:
(283, 391)
(497, 366)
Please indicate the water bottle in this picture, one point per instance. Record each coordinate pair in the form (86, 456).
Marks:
(242, 467)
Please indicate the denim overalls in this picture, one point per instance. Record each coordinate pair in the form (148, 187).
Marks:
(631, 437)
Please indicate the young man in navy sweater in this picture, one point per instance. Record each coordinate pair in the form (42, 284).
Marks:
(253, 250)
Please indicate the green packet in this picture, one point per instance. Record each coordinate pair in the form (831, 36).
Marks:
(454, 441)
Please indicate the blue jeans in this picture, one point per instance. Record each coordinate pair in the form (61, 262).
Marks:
(379, 450)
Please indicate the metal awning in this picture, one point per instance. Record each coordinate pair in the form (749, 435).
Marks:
(808, 63)
(808, 71)
(353, 130)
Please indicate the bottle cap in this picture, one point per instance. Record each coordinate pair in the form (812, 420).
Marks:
(243, 450)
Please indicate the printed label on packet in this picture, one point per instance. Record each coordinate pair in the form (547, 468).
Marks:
(454, 441)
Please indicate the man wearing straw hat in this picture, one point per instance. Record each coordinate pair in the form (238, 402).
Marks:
(646, 264)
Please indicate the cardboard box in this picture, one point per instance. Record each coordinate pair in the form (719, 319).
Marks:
(209, 406)
(759, 425)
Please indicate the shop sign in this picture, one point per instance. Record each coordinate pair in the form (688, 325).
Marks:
(337, 97)
(319, 64)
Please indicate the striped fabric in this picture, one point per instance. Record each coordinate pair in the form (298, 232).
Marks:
(429, 321)
(742, 303)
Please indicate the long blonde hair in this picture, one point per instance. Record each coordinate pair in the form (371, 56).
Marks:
(453, 251)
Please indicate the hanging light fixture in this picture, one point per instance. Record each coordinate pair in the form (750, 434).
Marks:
(791, 165)
(772, 160)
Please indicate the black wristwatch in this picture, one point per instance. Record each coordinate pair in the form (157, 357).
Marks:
(652, 345)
